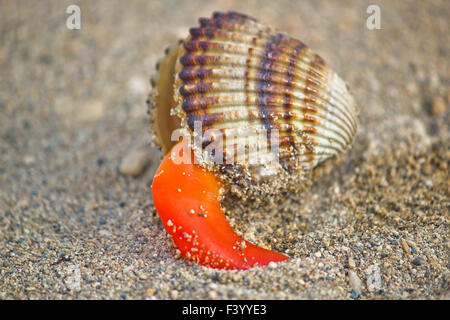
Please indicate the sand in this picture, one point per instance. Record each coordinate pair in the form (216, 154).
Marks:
(72, 107)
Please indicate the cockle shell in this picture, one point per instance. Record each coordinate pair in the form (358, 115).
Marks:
(241, 77)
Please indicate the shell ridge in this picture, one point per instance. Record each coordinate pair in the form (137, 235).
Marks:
(195, 103)
(326, 90)
(221, 36)
(231, 47)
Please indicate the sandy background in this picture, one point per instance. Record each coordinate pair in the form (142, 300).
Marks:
(72, 108)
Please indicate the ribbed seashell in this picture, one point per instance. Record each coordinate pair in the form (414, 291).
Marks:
(243, 78)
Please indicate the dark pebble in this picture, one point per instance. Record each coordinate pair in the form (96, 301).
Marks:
(417, 261)
(214, 276)
(57, 228)
(102, 220)
(354, 294)
(26, 124)
(46, 59)
(413, 250)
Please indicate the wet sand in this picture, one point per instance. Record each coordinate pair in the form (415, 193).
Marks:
(374, 225)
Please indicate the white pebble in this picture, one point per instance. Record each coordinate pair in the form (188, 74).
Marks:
(174, 294)
(135, 162)
(373, 278)
(355, 281)
(137, 85)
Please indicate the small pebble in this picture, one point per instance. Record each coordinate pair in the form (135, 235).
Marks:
(137, 85)
(91, 110)
(354, 294)
(29, 159)
(417, 261)
(373, 280)
(405, 246)
(351, 263)
(355, 281)
(101, 220)
(150, 291)
(438, 107)
(174, 294)
(143, 276)
(135, 162)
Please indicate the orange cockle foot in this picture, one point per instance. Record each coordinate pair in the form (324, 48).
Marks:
(186, 197)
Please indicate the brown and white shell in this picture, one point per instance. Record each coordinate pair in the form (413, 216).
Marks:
(242, 78)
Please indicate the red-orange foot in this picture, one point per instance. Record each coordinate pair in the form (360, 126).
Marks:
(186, 198)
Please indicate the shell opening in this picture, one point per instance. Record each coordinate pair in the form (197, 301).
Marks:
(165, 122)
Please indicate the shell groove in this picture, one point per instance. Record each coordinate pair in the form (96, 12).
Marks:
(240, 77)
